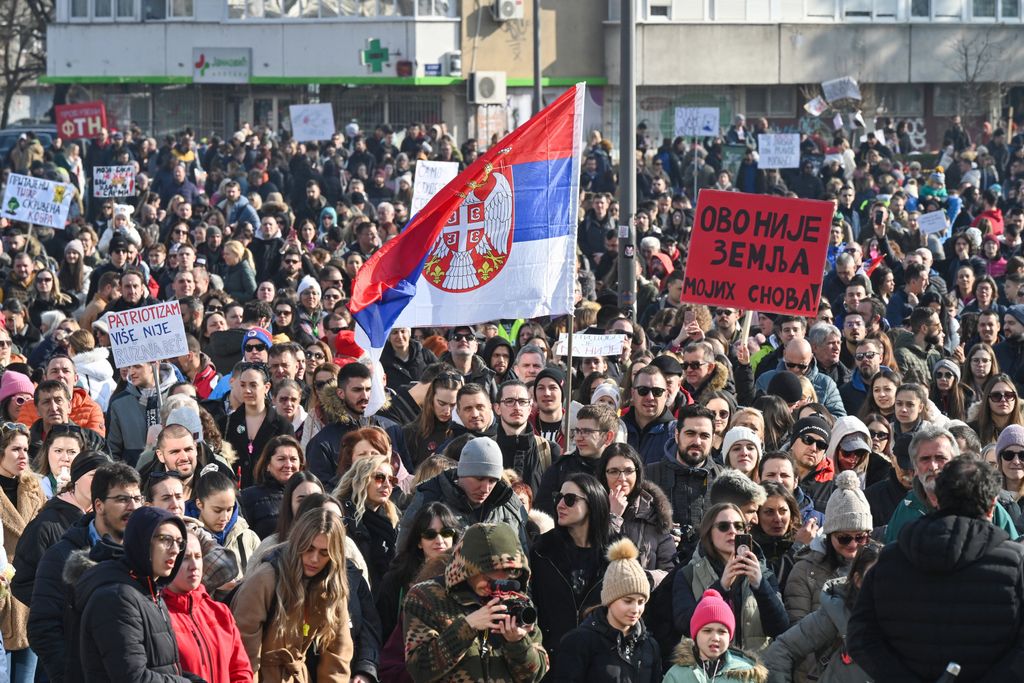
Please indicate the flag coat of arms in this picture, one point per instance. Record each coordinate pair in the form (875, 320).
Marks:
(499, 241)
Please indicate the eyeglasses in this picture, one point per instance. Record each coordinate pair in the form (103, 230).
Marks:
(1002, 396)
(725, 527)
(615, 472)
(879, 436)
(866, 355)
(585, 432)
(214, 309)
(15, 426)
(321, 384)
(693, 364)
(797, 366)
(569, 498)
(431, 534)
(512, 402)
(169, 542)
(943, 375)
(846, 539)
(811, 441)
(381, 478)
(255, 347)
(125, 499)
(463, 336)
(658, 392)
(44, 279)
(1009, 456)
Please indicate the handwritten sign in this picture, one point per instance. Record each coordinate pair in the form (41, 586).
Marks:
(38, 201)
(933, 221)
(311, 122)
(147, 334)
(113, 181)
(589, 345)
(844, 88)
(758, 252)
(82, 120)
(697, 121)
(431, 176)
(816, 107)
(778, 150)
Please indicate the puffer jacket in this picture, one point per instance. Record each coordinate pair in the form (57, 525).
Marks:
(647, 521)
(822, 634)
(209, 643)
(96, 375)
(595, 652)
(74, 577)
(85, 412)
(15, 516)
(441, 646)
(55, 518)
(809, 575)
(261, 504)
(736, 666)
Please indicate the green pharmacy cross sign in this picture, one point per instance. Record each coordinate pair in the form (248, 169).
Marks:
(375, 56)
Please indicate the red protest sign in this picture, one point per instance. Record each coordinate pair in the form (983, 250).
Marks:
(757, 252)
(83, 120)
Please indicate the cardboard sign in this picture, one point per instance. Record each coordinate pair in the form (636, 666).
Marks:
(39, 201)
(147, 334)
(431, 176)
(590, 345)
(844, 88)
(778, 150)
(312, 122)
(758, 252)
(113, 181)
(933, 221)
(879, 135)
(84, 120)
(816, 107)
(697, 121)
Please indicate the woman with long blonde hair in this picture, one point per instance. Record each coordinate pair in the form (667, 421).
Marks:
(370, 516)
(297, 598)
(238, 271)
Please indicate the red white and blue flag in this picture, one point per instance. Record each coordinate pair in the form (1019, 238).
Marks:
(497, 242)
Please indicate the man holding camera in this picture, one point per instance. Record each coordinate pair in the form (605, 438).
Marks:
(456, 626)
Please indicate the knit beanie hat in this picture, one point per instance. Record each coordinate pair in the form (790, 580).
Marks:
(308, 282)
(737, 434)
(948, 365)
(1017, 311)
(259, 334)
(786, 386)
(554, 374)
(75, 245)
(712, 609)
(624, 575)
(606, 390)
(847, 508)
(812, 424)
(481, 457)
(13, 383)
(1012, 435)
(86, 462)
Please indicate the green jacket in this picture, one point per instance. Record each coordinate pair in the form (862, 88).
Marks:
(738, 666)
(915, 505)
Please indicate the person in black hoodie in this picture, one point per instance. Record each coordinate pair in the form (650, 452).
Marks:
(125, 632)
(404, 359)
(498, 354)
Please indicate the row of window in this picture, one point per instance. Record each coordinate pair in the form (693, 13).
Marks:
(827, 10)
(895, 100)
(156, 10)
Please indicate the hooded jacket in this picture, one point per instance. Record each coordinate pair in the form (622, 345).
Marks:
(828, 392)
(73, 577)
(209, 643)
(261, 504)
(491, 346)
(43, 532)
(129, 419)
(870, 470)
(736, 666)
(810, 573)
(439, 643)
(719, 380)
(324, 449)
(595, 652)
(952, 585)
(126, 632)
(647, 521)
(96, 375)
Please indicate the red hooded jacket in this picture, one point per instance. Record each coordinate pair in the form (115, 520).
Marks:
(209, 644)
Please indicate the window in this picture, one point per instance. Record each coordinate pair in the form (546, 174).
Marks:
(658, 8)
(1011, 9)
(125, 9)
(985, 8)
(182, 8)
(920, 8)
(948, 100)
(102, 9)
(779, 101)
(900, 100)
(79, 9)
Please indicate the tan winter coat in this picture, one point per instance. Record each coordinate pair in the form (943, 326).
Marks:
(14, 613)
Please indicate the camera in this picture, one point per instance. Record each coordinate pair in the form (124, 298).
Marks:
(516, 604)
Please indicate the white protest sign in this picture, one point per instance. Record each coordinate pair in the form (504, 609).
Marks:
(311, 122)
(589, 345)
(879, 135)
(933, 221)
(816, 107)
(39, 201)
(844, 88)
(778, 150)
(147, 334)
(113, 181)
(696, 121)
(431, 176)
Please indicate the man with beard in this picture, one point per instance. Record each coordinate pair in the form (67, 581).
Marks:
(869, 361)
(134, 293)
(115, 496)
(1010, 351)
(462, 348)
(497, 354)
(916, 356)
(522, 450)
(930, 451)
(854, 331)
(685, 475)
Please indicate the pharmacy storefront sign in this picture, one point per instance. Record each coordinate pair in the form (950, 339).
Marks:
(221, 64)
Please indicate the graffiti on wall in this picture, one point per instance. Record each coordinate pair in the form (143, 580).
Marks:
(516, 36)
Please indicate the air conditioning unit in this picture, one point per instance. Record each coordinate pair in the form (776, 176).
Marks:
(486, 87)
(505, 10)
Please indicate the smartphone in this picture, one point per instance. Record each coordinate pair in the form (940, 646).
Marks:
(743, 544)
(688, 317)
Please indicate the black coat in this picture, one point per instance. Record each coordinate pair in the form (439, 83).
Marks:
(364, 624)
(951, 590)
(261, 504)
(248, 451)
(400, 372)
(597, 653)
(51, 597)
(375, 537)
(883, 497)
(554, 476)
(74, 576)
(55, 518)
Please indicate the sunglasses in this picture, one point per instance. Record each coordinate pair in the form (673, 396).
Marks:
(1002, 396)
(283, 311)
(658, 392)
(943, 375)
(867, 355)
(811, 441)
(381, 478)
(255, 347)
(725, 527)
(721, 414)
(846, 539)
(879, 436)
(797, 366)
(692, 365)
(723, 311)
(569, 498)
(469, 336)
(335, 330)
(1009, 456)
(431, 534)
(215, 309)
(14, 426)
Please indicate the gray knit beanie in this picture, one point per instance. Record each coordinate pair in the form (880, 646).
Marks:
(847, 508)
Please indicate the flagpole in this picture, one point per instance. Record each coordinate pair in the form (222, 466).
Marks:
(568, 379)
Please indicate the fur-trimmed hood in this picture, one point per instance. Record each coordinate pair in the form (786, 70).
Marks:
(739, 665)
(333, 406)
(543, 520)
(94, 364)
(718, 381)
(653, 506)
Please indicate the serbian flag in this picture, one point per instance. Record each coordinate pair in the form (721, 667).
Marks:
(499, 241)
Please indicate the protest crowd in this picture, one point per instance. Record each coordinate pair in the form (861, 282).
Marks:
(833, 497)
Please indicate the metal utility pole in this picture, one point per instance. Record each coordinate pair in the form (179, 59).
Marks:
(627, 158)
(538, 91)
